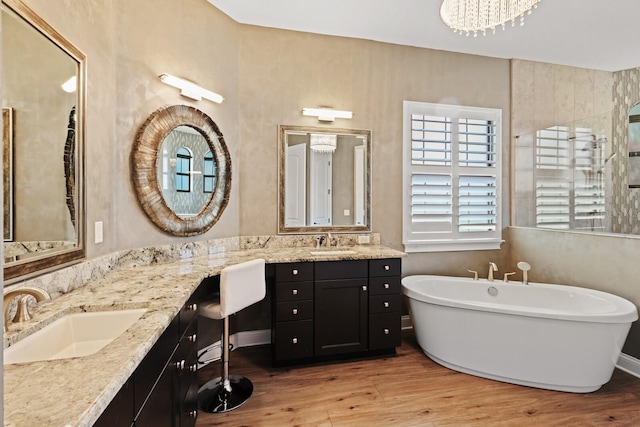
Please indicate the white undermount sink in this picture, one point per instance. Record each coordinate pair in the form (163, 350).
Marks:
(73, 335)
(333, 252)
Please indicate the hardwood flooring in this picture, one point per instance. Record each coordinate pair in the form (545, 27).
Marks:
(408, 389)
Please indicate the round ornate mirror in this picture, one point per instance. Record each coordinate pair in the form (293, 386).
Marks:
(181, 170)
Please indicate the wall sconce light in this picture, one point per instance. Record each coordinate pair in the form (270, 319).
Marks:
(70, 85)
(327, 114)
(190, 90)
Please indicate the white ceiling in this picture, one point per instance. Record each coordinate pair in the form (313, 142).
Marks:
(597, 34)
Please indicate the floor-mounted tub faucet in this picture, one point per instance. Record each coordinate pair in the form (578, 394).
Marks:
(492, 267)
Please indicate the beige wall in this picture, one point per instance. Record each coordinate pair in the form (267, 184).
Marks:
(283, 71)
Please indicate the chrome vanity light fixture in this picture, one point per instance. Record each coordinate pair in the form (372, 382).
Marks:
(327, 114)
(190, 89)
(473, 16)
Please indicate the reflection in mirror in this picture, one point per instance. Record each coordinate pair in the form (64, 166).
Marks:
(185, 171)
(324, 180)
(563, 177)
(181, 170)
(42, 139)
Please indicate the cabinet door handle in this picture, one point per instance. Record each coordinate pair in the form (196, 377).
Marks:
(294, 292)
(295, 340)
(386, 304)
(386, 267)
(180, 365)
(295, 272)
(364, 287)
(386, 286)
(192, 307)
(193, 368)
(386, 332)
(193, 414)
(192, 338)
(294, 311)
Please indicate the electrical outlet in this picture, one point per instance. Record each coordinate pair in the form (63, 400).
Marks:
(364, 240)
(98, 236)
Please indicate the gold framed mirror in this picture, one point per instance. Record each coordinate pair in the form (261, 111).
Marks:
(181, 170)
(43, 137)
(324, 180)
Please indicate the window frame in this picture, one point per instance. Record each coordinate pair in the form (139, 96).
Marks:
(179, 173)
(415, 240)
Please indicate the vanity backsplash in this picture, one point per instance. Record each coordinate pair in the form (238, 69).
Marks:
(67, 279)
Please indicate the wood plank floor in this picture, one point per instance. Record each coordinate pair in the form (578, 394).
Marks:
(408, 389)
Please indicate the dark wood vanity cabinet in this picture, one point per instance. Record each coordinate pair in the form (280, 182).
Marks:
(292, 314)
(163, 390)
(332, 309)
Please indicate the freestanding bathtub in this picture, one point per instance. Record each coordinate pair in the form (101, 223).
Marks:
(540, 335)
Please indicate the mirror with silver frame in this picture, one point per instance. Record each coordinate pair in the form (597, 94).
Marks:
(181, 170)
(43, 90)
(324, 180)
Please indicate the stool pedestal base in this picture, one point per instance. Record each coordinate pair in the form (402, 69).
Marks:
(215, 397)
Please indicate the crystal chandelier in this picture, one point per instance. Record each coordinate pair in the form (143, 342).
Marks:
(322, 142)
(474, 16)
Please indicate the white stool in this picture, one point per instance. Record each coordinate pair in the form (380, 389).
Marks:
(240, 286)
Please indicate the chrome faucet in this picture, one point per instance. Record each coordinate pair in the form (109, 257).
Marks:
(492, 267)
(22, 310)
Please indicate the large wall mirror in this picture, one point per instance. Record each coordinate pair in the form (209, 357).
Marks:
(43, 117)
(325, 180)
(181, 170)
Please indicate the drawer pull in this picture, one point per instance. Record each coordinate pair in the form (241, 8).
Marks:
(386, 332)
(386, 286)
(386, 304)
(364, 287)
(193, 414)
(295, 340)
(294, 311)
(386, 267)
(192, 338)
(180, 365)
(294, 292)
(192, 307)
(295, 272)
(193, 368)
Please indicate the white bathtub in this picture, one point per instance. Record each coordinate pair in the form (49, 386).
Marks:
(547, 336)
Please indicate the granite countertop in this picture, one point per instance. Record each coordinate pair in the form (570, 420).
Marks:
(74, 392)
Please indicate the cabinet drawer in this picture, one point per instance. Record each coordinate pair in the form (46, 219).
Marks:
(293, 340)
(384, 285)
(188, 341)
(294, 291)
(335, 270)
(294, 271)
(385, 267)
(385, 303)
(384, 330)
(294, 310)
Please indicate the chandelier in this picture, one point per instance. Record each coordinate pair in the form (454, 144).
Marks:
(473, 16)
(323, 142)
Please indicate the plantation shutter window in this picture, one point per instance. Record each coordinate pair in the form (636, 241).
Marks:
(451, 177)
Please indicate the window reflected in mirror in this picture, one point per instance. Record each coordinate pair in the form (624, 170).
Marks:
(634, 146)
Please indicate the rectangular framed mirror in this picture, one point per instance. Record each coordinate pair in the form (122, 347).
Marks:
(324, 180)
(43, 124)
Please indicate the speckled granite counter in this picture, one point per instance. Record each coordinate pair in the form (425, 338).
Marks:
(74, 392)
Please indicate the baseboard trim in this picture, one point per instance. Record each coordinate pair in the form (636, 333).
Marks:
(240, 339)
(629, 364)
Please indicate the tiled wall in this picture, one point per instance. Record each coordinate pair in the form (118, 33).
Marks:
(626, 202)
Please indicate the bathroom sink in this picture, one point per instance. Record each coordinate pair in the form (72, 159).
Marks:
(73, 335)
(333, 252)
